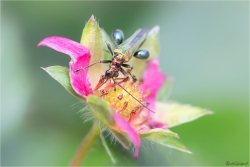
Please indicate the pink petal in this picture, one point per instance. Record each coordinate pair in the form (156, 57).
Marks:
(80, 80)
(80, 57)
(133, 135)
(64, 45)
(153, 79)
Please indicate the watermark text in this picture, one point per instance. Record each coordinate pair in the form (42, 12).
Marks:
(236, 163)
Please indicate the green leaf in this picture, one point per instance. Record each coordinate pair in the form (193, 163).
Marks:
(165, 90)
(173, 113)
(152, 45)
(164, 137)
(61, 74)
(92, 39)
(123, 140)
(101, 110)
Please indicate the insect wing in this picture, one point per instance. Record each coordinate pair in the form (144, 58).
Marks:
(132, 44)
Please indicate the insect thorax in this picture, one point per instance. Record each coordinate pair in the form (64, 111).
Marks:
(122, 55)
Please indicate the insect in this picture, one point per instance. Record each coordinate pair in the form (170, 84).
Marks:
(121, 54)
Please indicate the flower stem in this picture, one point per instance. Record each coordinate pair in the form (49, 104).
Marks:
(85, 146)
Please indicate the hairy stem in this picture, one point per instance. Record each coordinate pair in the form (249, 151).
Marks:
(85, 146)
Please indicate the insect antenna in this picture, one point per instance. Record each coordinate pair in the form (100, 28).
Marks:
(132, 96)
(87, 66)
(101, 61)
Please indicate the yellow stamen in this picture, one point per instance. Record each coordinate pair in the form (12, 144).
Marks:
(120, 100)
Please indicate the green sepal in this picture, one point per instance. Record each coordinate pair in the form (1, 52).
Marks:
(92, 39)
(152, 45)
(173, 113)
(165, 90)
(122, 139)
(101, 110)
(173, 143)
(165, 138)
(61, 74)
(157, 133)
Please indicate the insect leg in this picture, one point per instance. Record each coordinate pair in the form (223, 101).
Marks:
(125, 74)
(101, 82)
(114, 84)
(130, 68)
(109, 48)
(101, 61)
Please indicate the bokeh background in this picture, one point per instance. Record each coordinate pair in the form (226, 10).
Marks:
(204, 47)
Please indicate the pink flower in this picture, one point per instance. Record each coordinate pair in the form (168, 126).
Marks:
(117, 110)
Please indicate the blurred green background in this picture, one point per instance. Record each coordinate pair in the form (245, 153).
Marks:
(204, 46)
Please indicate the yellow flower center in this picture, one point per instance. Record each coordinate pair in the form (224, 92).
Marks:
(120, 100)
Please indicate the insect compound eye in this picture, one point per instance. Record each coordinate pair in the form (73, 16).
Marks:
(141, 54)
(117, 36)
